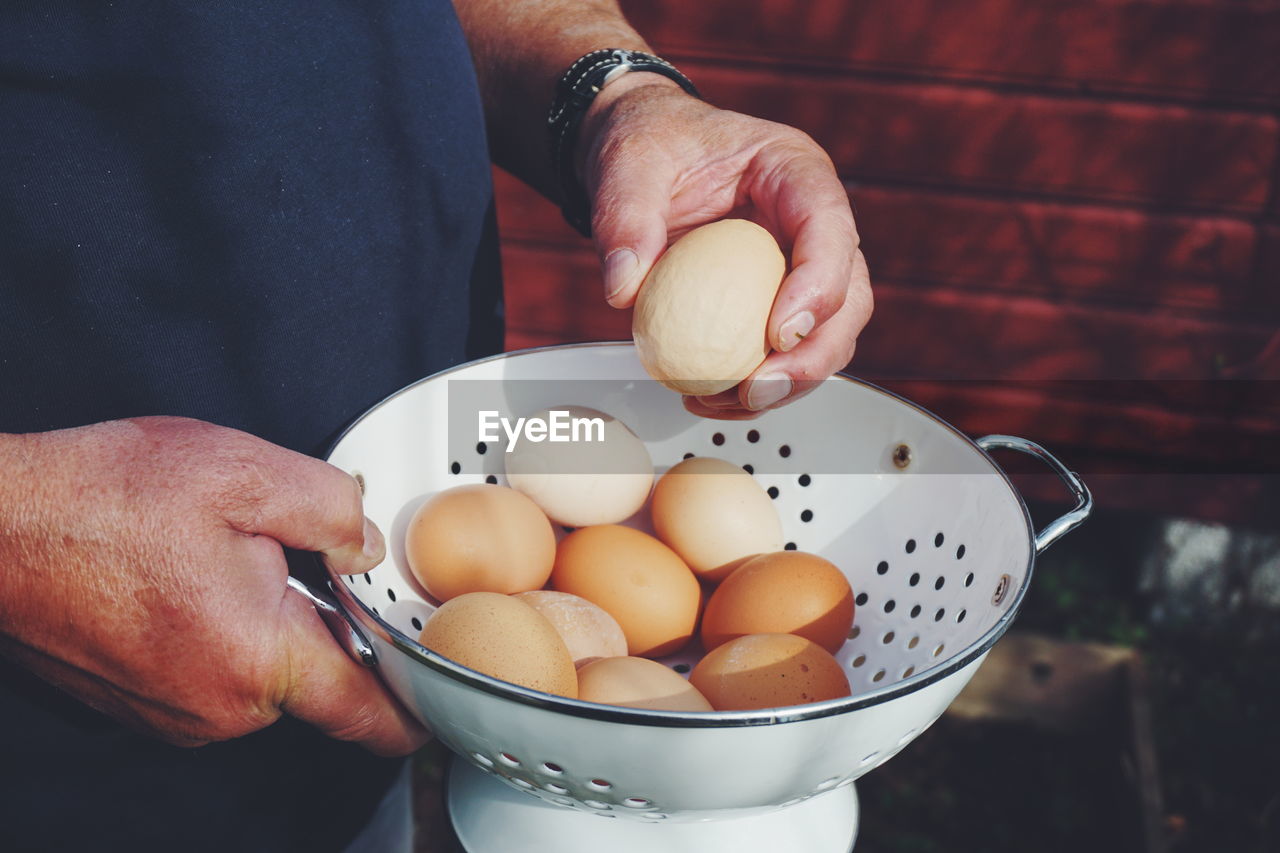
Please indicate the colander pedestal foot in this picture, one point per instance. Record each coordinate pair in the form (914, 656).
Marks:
(490, 816)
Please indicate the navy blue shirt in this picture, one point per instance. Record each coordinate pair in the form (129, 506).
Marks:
(265, 215)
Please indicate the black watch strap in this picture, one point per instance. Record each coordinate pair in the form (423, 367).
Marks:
(574, 93)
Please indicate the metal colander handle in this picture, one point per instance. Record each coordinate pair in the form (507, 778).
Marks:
(340, 624)
(1054, 530)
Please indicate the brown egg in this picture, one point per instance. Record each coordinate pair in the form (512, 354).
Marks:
(636, 579)
(786, 592)
(502, 636)
(714, 514)
(768, 671)
(588, 631)
(638, 683)
(479, 538)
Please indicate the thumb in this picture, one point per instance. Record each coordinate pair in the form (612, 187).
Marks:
(309, 505)
(629, 224)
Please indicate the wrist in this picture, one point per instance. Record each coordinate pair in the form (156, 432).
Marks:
(585, 81)
(597, 115)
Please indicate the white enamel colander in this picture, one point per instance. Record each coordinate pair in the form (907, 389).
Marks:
(934, 539)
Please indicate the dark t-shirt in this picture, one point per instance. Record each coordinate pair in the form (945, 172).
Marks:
(265, 215)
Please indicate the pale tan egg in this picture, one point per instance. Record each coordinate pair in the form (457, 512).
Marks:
(714, 515)
(479, 538)
(502, 636)
(785, 592)
(639, 581)
(588, 631)
(588, 469)
(768, 671)
(701, 315)
(638, 683)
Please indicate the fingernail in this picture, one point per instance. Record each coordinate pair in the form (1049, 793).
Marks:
(794, 330)
(767, 389)
(375, 547)
(619, 269)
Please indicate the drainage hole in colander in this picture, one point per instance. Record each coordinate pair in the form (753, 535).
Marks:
(375, 611)
(937, 617)
(455, 468)
(491, 480)
(937, 651)
(804, 480)
(907, 673)
(913, 642)
(938, 540)
(482, 448)
(806, 516)
(940, 582)
(960, 616)
(889, 605)
(749, 468)
(482, 759)
(753, 436)
(654, 816)
(717, 439)
(879, 676)
(882, 568)
(391, 593)
(902, 741)
(773, 492)
(596, 804)
(854, 632)
(911, 546)
(827, 784)
(888, 638)
(368, 578)
(681, 668)
(867, 759)
(914, 579)
(960, 553)
(508, 759)
(790, 546)
(968, 579)
(563, 801)
(521, 783)
(859, 661)
(784, 451)
(552, 768)
(915, 611)
(860, 600)
(688, 456)
(600, 785)
(637, 803)
(556, 788)
(416, 623)
(567, 529)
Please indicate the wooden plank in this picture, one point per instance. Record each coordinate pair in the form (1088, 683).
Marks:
(932, 134)
(1084, 253)
(1185, 49)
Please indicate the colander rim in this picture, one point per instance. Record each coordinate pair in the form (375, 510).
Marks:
(680, 719)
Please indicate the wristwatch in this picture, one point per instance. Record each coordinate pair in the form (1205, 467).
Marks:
(575, 91)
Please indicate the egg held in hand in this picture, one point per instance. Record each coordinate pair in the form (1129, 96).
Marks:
(636, 579)
(714, 515)
(588, 631)
(601, 475)
(479, 538)
(785, 592)
(502, 636)
(768, 671)
(701, 316)
(638, 683)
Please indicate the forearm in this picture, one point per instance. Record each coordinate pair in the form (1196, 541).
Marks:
(521, 48)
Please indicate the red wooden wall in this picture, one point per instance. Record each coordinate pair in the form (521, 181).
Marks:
(1071, 212)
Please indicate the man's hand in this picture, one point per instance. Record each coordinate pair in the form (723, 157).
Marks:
(658, 163)
(142, 571)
